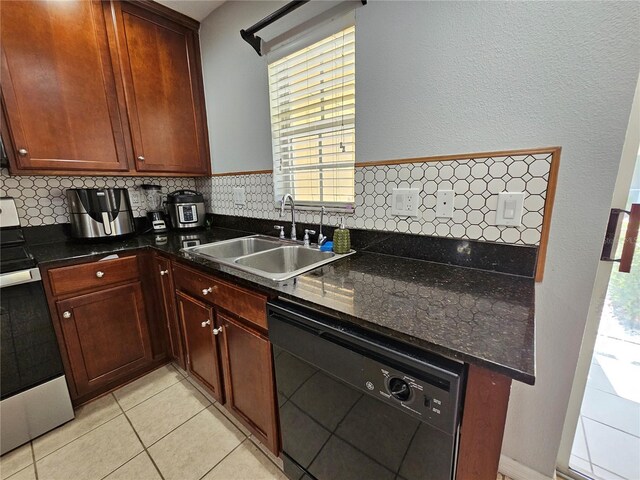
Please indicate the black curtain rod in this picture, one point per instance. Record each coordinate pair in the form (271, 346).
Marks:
(249, 35)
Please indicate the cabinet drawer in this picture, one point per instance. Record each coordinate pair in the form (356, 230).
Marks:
(94, 275)
(244, 303)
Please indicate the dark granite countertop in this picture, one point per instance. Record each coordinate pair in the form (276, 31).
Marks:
(479, 317)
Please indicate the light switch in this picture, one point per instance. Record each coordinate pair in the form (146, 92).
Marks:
(405, 202)
(444, 203)
(239, 196)
(509, 212)
(135, 198)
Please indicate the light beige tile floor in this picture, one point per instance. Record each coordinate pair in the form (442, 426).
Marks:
(160, 427)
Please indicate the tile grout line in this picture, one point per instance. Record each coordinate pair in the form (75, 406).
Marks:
(151, 396)
(76, 438)
(33, 458)
(144, 447)
(106, 421)
(222, 459)
(263, 453)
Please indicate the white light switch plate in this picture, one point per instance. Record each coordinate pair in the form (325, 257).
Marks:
(444, 203)
(509, 212)
(239, 196)
(405, 202)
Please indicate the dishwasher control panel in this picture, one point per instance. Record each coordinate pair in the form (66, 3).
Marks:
(425, 398)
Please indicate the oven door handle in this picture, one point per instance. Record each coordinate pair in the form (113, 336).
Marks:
(22, 276)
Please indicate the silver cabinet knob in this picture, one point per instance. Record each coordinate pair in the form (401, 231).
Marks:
(99, 274)
(216, 331)
(140, 158)
(164, 272)
(66, 314)
(23, 152)
(204, 324)
(207, 291)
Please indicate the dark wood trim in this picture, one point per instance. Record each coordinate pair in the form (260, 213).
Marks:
(460, 156)
(483, 420)
(552, 182)
(249, 172)
(167, 13)
(630, 239)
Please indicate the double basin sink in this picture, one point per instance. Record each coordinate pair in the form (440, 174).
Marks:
(264, 256)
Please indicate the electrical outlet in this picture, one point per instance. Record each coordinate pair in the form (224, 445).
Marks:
(405, 202)
(135, 197)
(239, 196)
(444, 204)
(509, 211)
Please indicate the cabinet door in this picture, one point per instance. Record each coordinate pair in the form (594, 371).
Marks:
(167, 295)
(163, 84)
(248, 371)
(105, 334)
(198, 323)
(59, 88)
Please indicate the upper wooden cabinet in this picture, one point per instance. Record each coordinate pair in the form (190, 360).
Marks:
(102, 87)
(59, 89)
(164, 95)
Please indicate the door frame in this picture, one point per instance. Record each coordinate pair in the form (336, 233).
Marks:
(598, 294)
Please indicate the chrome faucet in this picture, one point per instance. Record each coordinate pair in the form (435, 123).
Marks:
(321, 237)
(283, 203)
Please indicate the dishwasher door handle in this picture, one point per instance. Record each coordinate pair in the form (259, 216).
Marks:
(16, 278)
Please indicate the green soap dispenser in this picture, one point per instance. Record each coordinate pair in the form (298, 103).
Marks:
(341, 239)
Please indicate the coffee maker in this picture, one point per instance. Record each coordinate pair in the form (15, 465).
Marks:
(155, 214)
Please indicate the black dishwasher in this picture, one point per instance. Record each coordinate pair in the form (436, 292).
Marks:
(357, 406)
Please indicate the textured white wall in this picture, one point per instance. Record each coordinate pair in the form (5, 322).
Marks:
(447, 77)
(236, 89)
(452, 77)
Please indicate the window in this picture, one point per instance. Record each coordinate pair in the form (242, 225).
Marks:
(312, 98)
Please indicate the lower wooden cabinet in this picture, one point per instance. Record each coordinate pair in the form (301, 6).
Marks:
(105, 334)
(175, 349)
(198, 325)
(248, 376)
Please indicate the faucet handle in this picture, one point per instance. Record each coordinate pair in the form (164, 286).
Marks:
(306, 236)
(281, 228)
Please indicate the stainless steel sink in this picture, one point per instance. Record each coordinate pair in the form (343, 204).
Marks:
(238, 247)
(266, 256)
(285, 260)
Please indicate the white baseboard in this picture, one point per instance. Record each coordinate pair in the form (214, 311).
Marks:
(517, 471)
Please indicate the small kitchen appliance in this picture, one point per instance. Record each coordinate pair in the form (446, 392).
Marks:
(186, 209)
(100, 212)
(33, 388)
(153, 197)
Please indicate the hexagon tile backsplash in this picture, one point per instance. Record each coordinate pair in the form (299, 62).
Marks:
(476, 182)
(41, 199)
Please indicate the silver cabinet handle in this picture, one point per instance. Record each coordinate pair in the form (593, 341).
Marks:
(204, 324)
(207, 291)
(66, 314)
(23, 152)
(164, 272)
(140, 158)
(218, 330)
(99, 274)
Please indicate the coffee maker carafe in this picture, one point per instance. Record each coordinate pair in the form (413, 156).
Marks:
(155, 214)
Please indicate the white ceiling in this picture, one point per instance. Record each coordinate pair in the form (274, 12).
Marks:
(197, 9)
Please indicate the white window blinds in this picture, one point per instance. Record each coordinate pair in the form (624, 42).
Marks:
(312, 98)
